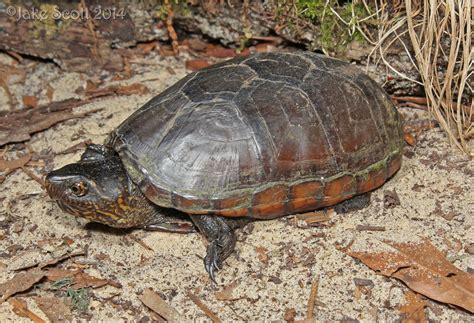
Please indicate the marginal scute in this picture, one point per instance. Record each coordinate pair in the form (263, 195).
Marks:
(262, 136)
(194, 206)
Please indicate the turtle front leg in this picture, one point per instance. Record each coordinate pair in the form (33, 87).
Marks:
(219, 231)
(169, 220)
(170, 226)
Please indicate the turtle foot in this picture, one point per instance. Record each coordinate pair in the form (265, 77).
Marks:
(220, 233)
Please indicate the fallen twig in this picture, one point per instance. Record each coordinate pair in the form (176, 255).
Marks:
(140, 242)
(32, 176)
(312, 299)
(15, 55)
(76, 147)
(169, 26)
(369, 228)
(204, 308)
(11, 98)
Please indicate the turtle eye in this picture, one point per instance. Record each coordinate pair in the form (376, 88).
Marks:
(79, 189)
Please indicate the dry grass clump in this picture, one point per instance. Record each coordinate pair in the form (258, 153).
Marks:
(437, 36)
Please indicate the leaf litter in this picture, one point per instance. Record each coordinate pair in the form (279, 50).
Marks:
(74, 284)
(424, 269)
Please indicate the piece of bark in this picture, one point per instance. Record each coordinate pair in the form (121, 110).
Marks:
(153, 301)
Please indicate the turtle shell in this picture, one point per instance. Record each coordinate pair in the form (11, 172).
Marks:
(262, 136)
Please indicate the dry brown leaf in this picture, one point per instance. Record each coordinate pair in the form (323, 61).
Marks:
(153, 301)
(21, 309)
(196, 64)
(262, 254)
(226, 294)
(147, 47)
(414, 309)
(30, 101)
(19, 125)
(54, 308)
(54, 274)
(60, 258)
(424, 269)
(409, 139)
(26, 259)
(220, 52)
(20, 282)
(10, 165)
(82, 280)
(31, 258)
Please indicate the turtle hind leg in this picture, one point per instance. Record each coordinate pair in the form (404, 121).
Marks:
(358, 202)
(219, 231)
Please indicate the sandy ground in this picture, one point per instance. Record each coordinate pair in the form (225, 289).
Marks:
(276, 261)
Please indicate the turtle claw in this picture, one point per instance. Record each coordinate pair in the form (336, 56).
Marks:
(220, 233)
(212, 261)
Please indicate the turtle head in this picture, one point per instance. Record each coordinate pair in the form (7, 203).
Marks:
(98, 188)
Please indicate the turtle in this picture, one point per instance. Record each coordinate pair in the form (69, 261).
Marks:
(251, 138)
